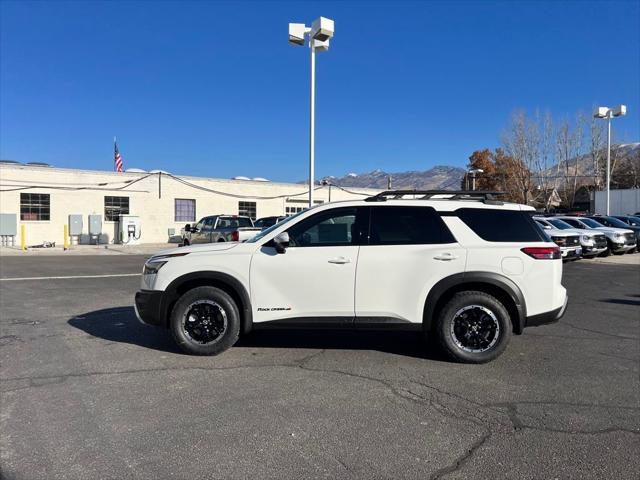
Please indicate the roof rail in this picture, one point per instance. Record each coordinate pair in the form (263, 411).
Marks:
(477, 195)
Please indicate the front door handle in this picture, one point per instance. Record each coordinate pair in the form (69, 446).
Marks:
(445, 257)
(339, 260)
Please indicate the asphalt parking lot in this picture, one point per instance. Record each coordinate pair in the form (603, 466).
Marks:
(88, 392)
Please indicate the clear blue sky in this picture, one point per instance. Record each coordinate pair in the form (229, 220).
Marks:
(211, 88)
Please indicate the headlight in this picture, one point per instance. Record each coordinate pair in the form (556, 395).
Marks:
(586, 239)
(617, 235)
(154, 264)
(151, 267)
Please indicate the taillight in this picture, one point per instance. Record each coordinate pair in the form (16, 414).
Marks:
(543, 253)
(235, 236)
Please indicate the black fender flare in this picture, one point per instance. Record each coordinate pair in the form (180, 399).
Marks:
(172, 293)
(458, 280)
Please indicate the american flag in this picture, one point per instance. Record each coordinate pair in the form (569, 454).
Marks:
(117, 158)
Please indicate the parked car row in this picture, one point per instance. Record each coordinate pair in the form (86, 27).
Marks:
(592, 235)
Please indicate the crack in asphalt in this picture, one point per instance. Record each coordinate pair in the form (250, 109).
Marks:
(459, 462)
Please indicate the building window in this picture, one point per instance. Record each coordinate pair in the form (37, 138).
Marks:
(35, 206)
(293, 210)
(185, 210)
(248, 209)
(114, 207)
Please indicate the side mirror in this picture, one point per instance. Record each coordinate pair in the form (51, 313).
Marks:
(281, 242)
(187, 227)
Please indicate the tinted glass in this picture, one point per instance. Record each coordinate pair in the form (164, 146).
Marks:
(591, 223)
(573, 223)
(612, 222)
(407, 226)
(329, 228)
(561, 224)
(501, 225)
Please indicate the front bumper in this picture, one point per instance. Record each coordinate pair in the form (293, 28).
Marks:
(589, 250)
(148, 305)
(547, 317)
(571, 253)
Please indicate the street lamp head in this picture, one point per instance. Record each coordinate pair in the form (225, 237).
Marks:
(296, 33)
(619, 111)
(601, 112)
(322, 29)
(320, 46)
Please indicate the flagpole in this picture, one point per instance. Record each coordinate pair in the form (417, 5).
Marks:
(115, 168)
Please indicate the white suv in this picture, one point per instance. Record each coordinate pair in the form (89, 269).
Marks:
(460, 266)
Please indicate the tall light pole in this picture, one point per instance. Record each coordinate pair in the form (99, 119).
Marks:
(319, 34)
(608, 113)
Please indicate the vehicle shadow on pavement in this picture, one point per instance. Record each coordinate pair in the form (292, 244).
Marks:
(120, 324)
(397, 342)
(621, 301)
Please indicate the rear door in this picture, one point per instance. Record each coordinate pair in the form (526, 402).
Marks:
(409, 250)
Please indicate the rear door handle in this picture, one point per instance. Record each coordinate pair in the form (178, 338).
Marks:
(339, 260)
(445, 257)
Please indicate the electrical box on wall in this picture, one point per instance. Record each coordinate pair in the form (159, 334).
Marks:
(75, 225)
(95, 224)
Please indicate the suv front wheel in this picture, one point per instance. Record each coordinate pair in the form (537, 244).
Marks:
(473, 327)
(205, 321)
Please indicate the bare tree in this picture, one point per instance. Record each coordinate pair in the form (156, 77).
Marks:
(569, 145)
(521, 143)
(597, 145)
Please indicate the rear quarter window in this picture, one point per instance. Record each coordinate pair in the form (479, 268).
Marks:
(501, 225)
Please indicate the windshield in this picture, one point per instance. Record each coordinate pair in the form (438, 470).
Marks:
(617, 223)
(562, 225)
(266, 231)
(635, 221)
(591, 223)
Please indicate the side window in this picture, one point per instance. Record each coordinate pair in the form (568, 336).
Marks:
(572, 222)
(407, 226)
(495, 225)
(207, 224)
(325, 229)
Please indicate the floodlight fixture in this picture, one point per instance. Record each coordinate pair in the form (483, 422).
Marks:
(619, 111)
(322, 29)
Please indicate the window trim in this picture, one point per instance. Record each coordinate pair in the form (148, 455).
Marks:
(108, 218)
(175, 210)
(360, 214)
(444, 232)
(244, 214)
(40, 207)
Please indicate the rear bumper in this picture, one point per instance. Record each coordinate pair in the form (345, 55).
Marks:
(547, 317)
(148, 307)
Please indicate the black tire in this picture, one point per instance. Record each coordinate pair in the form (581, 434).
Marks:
(197, 338)
(221, 240)
(185, 243)
(491, 312)
(607, 252)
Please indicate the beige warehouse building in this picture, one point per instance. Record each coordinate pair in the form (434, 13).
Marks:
(41, 198)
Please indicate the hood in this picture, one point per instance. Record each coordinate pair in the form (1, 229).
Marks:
(583, 231)
(613, 230)
(204, 247)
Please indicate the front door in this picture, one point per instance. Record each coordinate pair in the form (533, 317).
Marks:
(314, 279)
(203, 235)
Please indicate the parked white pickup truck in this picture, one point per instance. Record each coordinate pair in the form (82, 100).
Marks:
(219, 228)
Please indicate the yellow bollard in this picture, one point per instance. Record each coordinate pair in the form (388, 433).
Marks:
(66, 237)
(22, 239)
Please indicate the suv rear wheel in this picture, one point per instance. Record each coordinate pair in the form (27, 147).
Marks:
(473, 327)
(205, 321)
